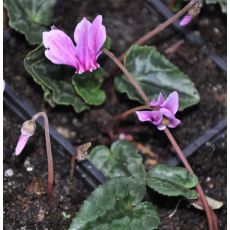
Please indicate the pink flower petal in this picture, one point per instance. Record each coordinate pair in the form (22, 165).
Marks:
(173, 122)
(186, 20)
(97, 36)
(21, 143)
(159, 101)
(156, 118)
(83, 52)
(144, 115)
(59, 48)
(172, 102)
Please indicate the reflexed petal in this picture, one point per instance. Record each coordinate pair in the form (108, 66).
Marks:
(172, 102)
(158, 102)
(84, 55)
(59, 48)
(157, 118)
(144, 115)
(166, 112)
(97, 36)
(21, 143)
(173, 122)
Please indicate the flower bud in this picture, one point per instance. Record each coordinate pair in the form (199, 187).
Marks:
(27, 130)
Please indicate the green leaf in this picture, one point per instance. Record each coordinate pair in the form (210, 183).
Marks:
(117, 205)
(121, 160)
(155, 74)
(172, 181)
(30, 17)
(88, 85)
(223, 4)
(55, 80)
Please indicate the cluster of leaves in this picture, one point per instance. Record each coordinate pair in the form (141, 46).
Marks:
(60, 84)
(62, 87)
(118, 204)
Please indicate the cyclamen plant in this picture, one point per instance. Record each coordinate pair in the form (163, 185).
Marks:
(83, 56)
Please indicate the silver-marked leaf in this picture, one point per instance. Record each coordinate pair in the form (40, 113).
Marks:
(156, 74)
(55, 80)
(172, 181)
(121, 160)
(30, 17)
(88, 85)
(117, 205)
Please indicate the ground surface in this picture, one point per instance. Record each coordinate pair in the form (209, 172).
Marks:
(125, 21)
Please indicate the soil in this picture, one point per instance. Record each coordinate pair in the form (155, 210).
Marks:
(25, 184)
(125, 21)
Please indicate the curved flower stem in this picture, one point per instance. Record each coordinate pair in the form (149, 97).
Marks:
(212, 220)
(132, 80)
(127, 113)
(49, 152)
(161, 27)
(209, 212)
(211, 217)
(131, 111)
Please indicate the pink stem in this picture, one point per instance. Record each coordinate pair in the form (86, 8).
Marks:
(49, 153)
(209, 213)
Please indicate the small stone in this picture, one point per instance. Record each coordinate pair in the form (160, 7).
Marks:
(27, 163)
(41, 215)
(29, 169)
(73, 134)
(216, 30)
(64, 132)
(9, 172)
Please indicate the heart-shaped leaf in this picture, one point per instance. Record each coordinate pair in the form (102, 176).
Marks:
(121, 160)
(172, 181)
(156, 74)
(30, 17)
(88, 86)
(117, 205)
(54, 79)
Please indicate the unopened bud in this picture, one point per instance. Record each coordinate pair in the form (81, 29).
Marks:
(27, 130)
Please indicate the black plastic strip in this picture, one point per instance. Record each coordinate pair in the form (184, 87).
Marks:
(189, 35)
(24, 110)
(214, 133)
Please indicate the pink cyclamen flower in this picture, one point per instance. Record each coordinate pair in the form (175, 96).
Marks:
(186, 20)
(27, 130)
(163, 114)
(89, 38)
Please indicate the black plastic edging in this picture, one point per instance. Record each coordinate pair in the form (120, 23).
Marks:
(85, 168)
(189, 35)
(210, 135)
